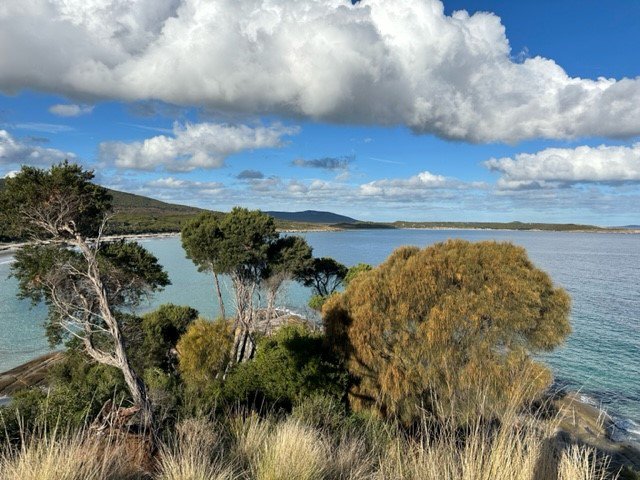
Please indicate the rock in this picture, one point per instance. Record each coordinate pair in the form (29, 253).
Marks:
(30, 374)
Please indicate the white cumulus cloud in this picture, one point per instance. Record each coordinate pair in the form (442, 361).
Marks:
(404, 186)
(70, 109)
(199, 145)
(13, 151)
(561, 166)
(384, 62)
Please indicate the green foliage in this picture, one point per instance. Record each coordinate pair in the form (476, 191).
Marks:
(289, 255)
(289, 366)
(316, 302)
(54, 274)
(64, 193)
(324, 276)
(161, 331)
(356, 270)
(77, 390)
(248, 235)
(450, 326)
(629, 473)
(134, 268)
(202, 240)
(204, 353)
(78, 386)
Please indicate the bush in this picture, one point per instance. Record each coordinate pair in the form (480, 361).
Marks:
(161, 330)
(448, 328)
(204, 352)
(290, 365)
(77, 391)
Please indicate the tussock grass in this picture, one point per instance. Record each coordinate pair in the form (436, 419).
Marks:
(64, 456)
(293, 451)
(195, 453)
(247, 447)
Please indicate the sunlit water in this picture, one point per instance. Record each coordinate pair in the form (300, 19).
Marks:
(600, 271)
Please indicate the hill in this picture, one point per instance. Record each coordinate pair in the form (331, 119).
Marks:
(137, 214)
(312, 216)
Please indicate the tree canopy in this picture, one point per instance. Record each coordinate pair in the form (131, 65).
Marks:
(324, 276)
(87, 283)
(448, 328)
(59, 202)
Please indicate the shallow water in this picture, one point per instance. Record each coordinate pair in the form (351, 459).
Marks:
(600, 271)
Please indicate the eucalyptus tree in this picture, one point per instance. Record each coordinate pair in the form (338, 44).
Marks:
(288, 257)
(247, 238)
(85, 281)
(202, 240)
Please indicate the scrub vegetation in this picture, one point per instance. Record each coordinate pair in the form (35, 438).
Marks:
(421, 367)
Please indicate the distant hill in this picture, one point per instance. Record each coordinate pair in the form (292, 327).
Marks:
(312, 216)
(138, 214)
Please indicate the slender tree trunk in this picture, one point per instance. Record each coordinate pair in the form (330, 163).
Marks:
(219, 292)
(120, 360)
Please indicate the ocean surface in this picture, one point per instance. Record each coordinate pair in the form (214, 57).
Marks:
(601, 358)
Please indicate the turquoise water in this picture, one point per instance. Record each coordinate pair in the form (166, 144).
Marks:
(600, 271)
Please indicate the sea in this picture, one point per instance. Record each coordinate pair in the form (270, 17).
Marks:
(601, 272)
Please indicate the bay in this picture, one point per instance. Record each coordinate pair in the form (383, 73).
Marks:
(601, 272)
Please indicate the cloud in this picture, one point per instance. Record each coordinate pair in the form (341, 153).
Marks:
(198, 145)
(382, 62)
(181, 184)
(555, 167)
(70, 110)
(40, 127)
(325, 163)
(250, 175)
(16, 152)
(407, 187)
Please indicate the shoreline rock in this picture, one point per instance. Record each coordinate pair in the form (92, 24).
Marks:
(582, 423)
(30, 374)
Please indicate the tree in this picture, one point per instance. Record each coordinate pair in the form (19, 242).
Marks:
(443, 327)
(84, 281)
(287, 256)
(247, 239)
(202, 240)
(324, 276)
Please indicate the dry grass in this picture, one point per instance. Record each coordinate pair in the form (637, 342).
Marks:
(196, 453)
(251, 448)
(293, 451)
(57, 456)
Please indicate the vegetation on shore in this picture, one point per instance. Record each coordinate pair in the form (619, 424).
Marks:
(136, 214)
(421, 369)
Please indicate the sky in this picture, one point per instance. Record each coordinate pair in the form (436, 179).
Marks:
(467, 110)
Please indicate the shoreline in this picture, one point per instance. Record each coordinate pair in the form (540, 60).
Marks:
(9, 248)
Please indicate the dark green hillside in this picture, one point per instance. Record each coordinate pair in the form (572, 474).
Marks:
(138, 214)
(312, 216)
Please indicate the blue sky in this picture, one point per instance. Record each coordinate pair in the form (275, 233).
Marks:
(382, 110)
